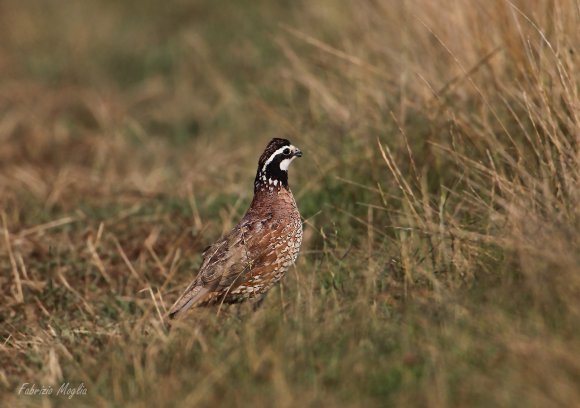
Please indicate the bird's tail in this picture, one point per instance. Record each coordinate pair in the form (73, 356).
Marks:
(189, 298)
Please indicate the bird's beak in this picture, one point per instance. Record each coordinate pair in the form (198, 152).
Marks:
(298, 153)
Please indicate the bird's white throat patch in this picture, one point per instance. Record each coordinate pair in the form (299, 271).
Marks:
(285, 163)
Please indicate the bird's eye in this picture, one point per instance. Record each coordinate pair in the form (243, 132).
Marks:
(286, 151)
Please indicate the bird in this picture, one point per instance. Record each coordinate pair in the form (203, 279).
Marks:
(246, 262)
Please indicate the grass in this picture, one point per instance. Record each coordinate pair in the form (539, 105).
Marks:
(439, 188)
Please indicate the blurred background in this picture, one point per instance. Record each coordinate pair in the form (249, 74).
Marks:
(439, 189)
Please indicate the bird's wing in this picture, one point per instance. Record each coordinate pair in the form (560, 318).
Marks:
(222, 263)
(247, 248)
(257, 252)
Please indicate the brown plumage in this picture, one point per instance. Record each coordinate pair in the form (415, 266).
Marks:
(255, 254)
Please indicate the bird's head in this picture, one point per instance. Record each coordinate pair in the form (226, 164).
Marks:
(273, 164)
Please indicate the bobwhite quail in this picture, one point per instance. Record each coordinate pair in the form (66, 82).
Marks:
(250, 259)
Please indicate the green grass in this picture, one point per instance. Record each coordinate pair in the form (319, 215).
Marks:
(439, 188)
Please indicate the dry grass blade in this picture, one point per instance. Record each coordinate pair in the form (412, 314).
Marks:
(15, 274)
(334, 52)
(97, 261)
(157, 309)
(457, 79)
(401, 182)
(80, 297)
(38, 229)
(127, 261)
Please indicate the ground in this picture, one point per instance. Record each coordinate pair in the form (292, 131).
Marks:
(439, 191)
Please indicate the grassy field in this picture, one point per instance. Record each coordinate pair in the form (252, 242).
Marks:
(439, 190)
